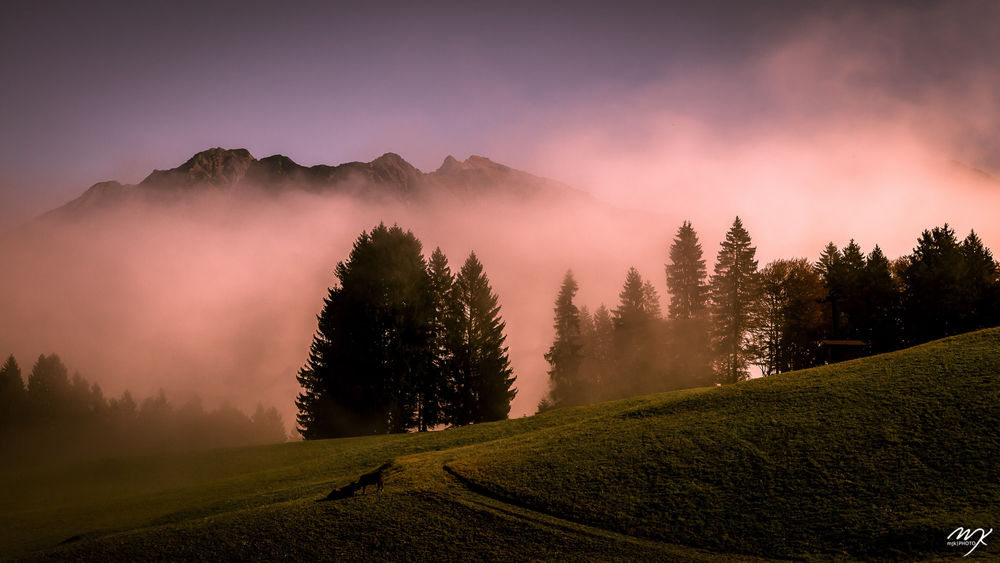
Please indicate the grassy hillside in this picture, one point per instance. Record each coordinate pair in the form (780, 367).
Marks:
(880, 457)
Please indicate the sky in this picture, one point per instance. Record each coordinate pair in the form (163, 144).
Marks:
(110, 90)
(812, 121)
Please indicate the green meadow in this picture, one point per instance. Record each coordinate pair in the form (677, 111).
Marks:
(880, 458)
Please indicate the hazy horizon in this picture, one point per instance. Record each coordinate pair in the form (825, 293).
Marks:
(813, 122)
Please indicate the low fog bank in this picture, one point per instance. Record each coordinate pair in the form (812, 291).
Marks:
(218, 297)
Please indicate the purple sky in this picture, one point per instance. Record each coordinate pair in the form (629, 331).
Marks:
(109, 90)
(812, 121)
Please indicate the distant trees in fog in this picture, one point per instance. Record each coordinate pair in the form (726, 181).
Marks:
(791, 314)
(403, 344)
(58, 416)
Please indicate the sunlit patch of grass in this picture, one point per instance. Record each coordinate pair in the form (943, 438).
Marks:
(878, 457)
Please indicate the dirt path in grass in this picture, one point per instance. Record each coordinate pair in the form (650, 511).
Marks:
(512, 508)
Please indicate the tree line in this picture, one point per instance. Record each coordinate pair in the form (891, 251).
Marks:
(56, 416)
(403, 344)
(791, 314)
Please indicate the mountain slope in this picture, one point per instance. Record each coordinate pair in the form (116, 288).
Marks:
(880, 457)
(235, 170)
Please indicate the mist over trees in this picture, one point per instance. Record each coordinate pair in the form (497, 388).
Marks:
(791, 314)
(55, 416)
(402, 344)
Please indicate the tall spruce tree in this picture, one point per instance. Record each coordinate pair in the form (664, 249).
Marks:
(933, 287)
(434, 390)
(11, 392)
(565, 356)
(600, 355)
(880, 326)
(638, 341)
(686, 275)
(373, 342)
(689, 357)
(484, 379)
(734, 293)
(980, 293)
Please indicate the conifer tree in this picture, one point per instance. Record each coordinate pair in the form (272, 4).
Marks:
(881, 302)
(686, 275)
(484, 379)
(434, 391)
(48, 390)
(933, 287)
(11, 392)
(600, 355)
(565, 356)
(689, 358)
(373, 341)
(980, 293)
(734, 293)
(638, 342)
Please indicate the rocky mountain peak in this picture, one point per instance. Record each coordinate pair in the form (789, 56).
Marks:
(216, 167)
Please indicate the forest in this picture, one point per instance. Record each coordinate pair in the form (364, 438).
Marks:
(745, 320)
(55, 416)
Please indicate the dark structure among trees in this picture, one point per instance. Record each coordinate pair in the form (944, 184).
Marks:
(402, 344)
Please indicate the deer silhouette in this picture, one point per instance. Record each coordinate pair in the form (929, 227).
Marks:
(374, 478)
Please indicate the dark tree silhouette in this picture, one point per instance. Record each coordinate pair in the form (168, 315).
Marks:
(12, 393)
(980, 285)
(686, 276)
(484, 379)
(638, 339)
(933, 287)
(789, 318)
(49, 391)
(880, 326)
(373, 341)
(734, 293)
(435, 390)
(565, 357)
(690, 357)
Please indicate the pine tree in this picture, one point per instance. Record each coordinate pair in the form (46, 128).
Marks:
(852, 288)
(48, 390)
(12, 393)
(881, 302)
(565, 356)
(484, 379)
(434, 393)
(600, 355)
(686, 275)
(980, 294)
(637, 339)
(689, 358)
(734, 293)
(933, 287)
(373, 341)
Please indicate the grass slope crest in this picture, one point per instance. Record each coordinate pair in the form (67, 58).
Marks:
(881, 457)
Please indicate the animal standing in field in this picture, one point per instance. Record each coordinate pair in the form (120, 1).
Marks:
(374, 478)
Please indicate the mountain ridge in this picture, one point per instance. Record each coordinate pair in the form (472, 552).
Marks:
(388, 176)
